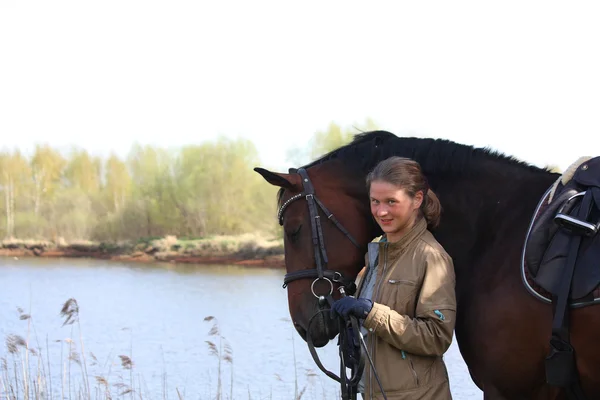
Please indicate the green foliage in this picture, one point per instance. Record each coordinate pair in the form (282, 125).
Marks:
(194, 192)
(83, 171)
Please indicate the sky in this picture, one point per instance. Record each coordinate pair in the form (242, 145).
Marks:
(519, 77)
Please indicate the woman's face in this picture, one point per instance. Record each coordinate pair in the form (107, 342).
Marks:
(393, 209)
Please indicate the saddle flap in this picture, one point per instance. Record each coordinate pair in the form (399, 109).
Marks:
(587, 272)
(547, 244)
(543, 229)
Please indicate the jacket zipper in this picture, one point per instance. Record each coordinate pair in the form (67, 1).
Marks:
(375, 294)
(412, 369)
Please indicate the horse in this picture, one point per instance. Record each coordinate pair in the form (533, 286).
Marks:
(488, 200)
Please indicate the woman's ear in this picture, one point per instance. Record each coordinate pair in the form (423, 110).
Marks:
(418, 199)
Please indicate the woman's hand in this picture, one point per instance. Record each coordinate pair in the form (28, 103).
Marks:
(345, 306)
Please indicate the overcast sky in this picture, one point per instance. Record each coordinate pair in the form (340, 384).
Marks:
(520, 77)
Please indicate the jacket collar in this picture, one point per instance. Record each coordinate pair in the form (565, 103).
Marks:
(401, 245)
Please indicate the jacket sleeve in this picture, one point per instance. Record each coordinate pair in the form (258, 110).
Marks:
(430, 332)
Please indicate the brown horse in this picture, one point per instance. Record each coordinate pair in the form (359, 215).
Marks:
(488, 200)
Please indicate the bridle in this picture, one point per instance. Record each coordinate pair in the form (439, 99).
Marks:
(320, 272)
(352, 348)
(349, 339)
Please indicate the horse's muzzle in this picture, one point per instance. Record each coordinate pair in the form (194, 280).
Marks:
(322, 329)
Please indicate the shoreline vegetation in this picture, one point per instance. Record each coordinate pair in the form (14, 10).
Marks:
(32, 368)
(252, 250)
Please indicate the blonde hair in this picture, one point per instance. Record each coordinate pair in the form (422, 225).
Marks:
(407, 174)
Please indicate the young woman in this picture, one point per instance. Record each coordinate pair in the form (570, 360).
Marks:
(406, 293)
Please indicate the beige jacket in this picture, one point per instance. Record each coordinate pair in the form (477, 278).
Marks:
(411, 324)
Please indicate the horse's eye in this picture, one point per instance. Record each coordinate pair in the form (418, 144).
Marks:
(293, 234)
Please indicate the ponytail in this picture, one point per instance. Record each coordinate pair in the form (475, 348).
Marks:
(432, 209)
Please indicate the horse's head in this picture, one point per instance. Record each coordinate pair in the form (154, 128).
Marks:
(322, 212)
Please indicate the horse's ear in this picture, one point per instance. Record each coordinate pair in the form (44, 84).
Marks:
(277, 179)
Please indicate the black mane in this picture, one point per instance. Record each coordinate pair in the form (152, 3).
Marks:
(434, 155)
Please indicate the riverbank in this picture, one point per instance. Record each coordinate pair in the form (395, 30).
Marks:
(249, 249)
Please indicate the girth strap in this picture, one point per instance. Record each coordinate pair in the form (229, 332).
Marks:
(561, 369)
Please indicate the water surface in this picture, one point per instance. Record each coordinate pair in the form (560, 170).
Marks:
(155, 314)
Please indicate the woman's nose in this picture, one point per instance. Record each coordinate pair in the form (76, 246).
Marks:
(381, 211)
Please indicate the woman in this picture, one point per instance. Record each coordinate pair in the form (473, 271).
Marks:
(406, 293)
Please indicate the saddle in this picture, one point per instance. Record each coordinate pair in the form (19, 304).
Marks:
(557, 220)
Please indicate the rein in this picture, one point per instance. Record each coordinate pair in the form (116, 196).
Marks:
(349, 350)
(352, 348)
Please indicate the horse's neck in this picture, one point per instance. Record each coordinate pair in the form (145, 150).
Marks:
(479, 212)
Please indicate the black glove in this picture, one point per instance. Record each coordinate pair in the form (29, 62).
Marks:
(345, 306)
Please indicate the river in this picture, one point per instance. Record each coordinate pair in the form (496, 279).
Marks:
(156, 316)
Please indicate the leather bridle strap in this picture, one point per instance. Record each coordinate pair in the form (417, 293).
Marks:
(315, 224)
(318, 240)
(333, 276)
(333, 219)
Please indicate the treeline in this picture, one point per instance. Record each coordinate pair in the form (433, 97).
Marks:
(192, 192)
(195, 191)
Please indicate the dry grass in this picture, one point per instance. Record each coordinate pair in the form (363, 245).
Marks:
(25, 369)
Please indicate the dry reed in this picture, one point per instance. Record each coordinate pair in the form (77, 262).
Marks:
(22, 378)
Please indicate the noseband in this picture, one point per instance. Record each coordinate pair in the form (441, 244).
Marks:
(321, 272)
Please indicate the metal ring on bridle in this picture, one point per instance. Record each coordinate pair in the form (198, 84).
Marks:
(312, 286)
